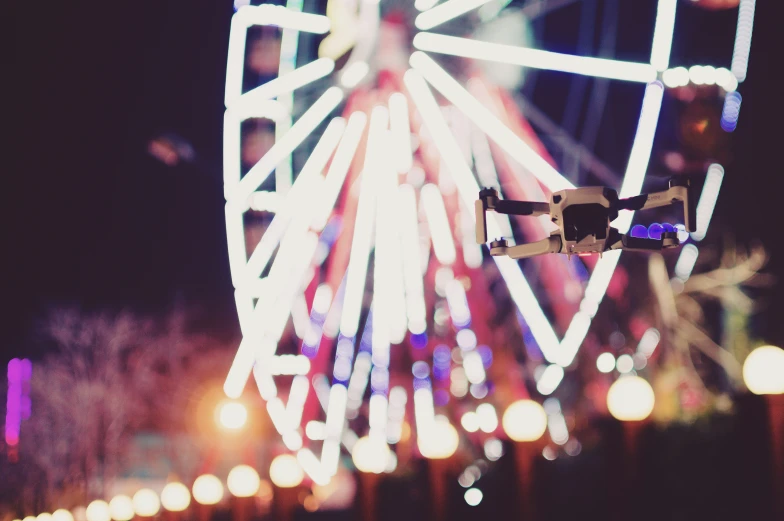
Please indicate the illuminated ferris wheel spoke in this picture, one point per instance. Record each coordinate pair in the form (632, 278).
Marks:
(302, 200)
(285, 84)
(445, 12)
(518, 286)
(304, 126)
(490, 124)
(412, 272)
(535, 58)
(662, 34)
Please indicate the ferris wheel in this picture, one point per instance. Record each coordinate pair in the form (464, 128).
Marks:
(350, 235)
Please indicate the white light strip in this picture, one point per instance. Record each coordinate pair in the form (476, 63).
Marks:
(707, 202)
(336, 419)
(401, 132)
(488, 177)
(412, 273)
(550, 379)
(438, 221)
(286, 145)
(686, 261)
(297, 200)
(312, 467)
(377, 416)
(235, 239)
(282, 84)
(232, 151)
(649, 341)
(263, 201)
(289, 365)
(472, 252)
(489, 123)
(265, 14)
(363, 227)
(474, 368)
(295, 405)
(444, 12)
(662, 34)
(458, 303)
(445, 143)
(424, 412)
(338, 168)
(353, 74)
(740, 54)
(534, 58)
(641, 151)
(300, 316)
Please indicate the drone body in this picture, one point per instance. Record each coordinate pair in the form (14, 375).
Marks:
(583, 217)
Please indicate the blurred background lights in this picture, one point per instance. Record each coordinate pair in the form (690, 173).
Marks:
(524, 420)
(121, 508)
(494, 449)
(470, 421)
(285, 471)
(488, 419)
(630, 398)
(439, 440)
(175, 497)
(707, 201)
(233, 415)
(207, 490)
(763, 370)
(605, 362)
(97, 510)
(146, 503)
(62, 514)
(473, 496)
(624, 364)
(32, 518)
(243, 481)
(731, 111)
(44, 516)
(370, 455)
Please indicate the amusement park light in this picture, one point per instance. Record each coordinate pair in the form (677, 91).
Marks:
(121, 508)
(44, 516)
(97, 510)
(232, 415)
(285, 471)
(763, 370)
(175, 497)
(524, 420)
(630, 398)
(207, 490)
(62, 514)
(370, 455)
(146, 503)
(243, 481)
(438, 440)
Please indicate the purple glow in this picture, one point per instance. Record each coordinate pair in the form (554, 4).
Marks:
(18, 406)
(487, 355)
(440, 397)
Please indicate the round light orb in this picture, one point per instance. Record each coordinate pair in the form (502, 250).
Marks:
(62, 514)
(763, 370)
(624, 364)
(146, 502)
(524, 420)
(370, 455)
(630, 398)
(470, 421)
(243, 481)
(605, 362)
(286, 472)
(438, 440)
(43, 516)
(232, 415)
(121, 508)
(473, 496)
(207, 490)
(98, 510)
(29, 518)
(175, 497)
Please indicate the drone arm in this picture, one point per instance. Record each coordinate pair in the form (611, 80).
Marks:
(551, 244)
(522, 208)
(679, 191)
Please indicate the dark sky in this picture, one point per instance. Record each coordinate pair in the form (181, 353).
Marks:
(89, 219)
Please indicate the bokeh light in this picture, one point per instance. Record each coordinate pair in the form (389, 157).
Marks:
(207, 490)
(232, 415)
(175, 497)
(605, 362)
(243, 481)
(763, 370)
(62, 514)
(146, 503)
(98, 510)
(630, 398)
(524, 420)
(473, 496)
(121, 508)
(285, 471)
(370, 455)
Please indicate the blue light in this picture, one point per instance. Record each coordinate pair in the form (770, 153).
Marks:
(419, 340)
(422, 383)
(667, 227)
(442, 355)
(487, 355)
(731, 111)
(440, 397)
(639, 231)
(655, 231)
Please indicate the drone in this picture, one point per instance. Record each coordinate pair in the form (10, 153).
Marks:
(583, 217)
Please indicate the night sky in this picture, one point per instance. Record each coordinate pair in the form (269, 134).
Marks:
(91, 220)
